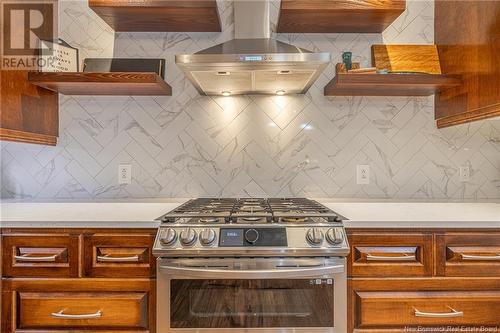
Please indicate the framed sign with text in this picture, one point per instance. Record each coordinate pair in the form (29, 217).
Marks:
(57, 56)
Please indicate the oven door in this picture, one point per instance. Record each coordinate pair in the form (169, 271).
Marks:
(254, 294)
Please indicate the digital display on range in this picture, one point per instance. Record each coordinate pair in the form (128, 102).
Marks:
(237, 237)
(231, 237)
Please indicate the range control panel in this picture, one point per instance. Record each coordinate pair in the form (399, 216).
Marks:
(249, 236)
(230, 237)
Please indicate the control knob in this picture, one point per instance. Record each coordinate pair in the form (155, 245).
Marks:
(314, 236)
(187, 236)
(334, 236)
(251, 236)
(168, 237)
(207, 236)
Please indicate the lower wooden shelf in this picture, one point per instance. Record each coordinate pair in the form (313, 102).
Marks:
(102, 83)
(390, 84)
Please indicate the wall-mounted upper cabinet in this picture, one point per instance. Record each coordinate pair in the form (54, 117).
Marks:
(472, 51)
(28, 113)
(324, 16)
(159, 15)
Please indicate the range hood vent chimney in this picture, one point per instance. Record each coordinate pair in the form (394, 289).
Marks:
(251, 19)
(252, 63)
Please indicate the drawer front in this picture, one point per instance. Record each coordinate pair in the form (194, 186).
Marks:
(468, 254)
(119, 255)
(390, 254)
(402, 309)
(83, 310)
(78, 305)
(40, 255)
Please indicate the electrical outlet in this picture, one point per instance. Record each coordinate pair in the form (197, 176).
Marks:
(464, 174)
(363, 174)
(124, 174)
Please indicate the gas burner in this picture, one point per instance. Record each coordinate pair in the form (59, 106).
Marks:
(253, 219)
(209, 220)
(294, 219)
(252, 209)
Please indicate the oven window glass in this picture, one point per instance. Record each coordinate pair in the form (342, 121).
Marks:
(251, 303)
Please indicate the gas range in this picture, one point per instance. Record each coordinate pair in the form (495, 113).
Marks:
(251, 265)
(207, 227)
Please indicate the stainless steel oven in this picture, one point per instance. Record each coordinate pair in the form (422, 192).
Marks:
(209, 295)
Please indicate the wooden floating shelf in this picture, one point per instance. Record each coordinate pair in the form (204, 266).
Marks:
(89, 83)
(390, 84)
(159, 15)
(324, 16)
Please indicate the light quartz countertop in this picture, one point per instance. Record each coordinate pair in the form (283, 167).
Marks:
(142, 214)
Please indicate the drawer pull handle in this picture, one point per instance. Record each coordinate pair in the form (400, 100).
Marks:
(107, 258)
(27, 258)
(62, 315)
(370, 257)
(454, 313)
(473, 257)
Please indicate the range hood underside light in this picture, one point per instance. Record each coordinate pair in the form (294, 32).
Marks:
(295, 81)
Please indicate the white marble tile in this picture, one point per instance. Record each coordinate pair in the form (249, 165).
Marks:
(188, 145)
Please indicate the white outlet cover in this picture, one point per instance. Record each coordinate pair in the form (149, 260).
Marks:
(362, 174)
(124, 174)
(464, 174)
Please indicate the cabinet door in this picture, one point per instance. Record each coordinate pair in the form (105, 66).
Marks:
(119, 255)
(390, 254)
(78, 305)
(42, 255)
(471, 254)
(28, 113)
(82, 310)
(404, 304)
(386, 309)
(472, 52)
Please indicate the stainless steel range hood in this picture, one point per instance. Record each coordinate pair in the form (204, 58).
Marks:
(257, 65)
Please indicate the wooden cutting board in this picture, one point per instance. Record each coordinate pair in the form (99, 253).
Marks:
(406, 58)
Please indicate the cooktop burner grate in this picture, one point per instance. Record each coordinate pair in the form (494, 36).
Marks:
(252, 210)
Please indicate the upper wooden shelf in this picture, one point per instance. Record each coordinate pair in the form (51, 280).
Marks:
(390, 84)
(159, 15)
(323, 16)
(116, 83)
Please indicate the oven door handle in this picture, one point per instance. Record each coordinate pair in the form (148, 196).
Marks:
(223, 273)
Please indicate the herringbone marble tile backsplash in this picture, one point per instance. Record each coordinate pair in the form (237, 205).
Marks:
(188, 145)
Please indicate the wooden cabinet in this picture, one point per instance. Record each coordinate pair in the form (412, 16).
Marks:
(472, 52)
(78, 280)
(118, 255)
(42, 255)
(381, 305)
(435, 308)
(472, 254)
(27, 113)
(390, 254)
(423, 278)
(46, 310)
(73, 305)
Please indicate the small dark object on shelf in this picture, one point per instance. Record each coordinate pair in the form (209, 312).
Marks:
(125, 65)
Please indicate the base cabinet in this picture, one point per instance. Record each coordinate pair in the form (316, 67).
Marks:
(72, 305)
(413, 309)
(78, 280)
(458, 288)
